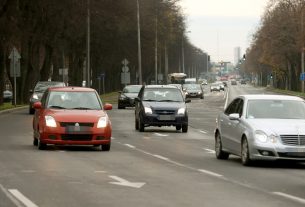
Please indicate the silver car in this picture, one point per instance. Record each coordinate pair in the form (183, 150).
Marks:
(262, 127)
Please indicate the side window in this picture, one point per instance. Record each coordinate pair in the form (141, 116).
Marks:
(232, 108)
(140, 94)
(44, 98)
(240, 107)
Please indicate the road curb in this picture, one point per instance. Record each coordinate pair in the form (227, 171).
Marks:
(12, 110)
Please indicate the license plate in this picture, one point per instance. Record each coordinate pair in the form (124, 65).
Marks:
(165, 117)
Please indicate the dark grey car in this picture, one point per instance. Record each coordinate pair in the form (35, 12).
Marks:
(38, 91)
(161, 105)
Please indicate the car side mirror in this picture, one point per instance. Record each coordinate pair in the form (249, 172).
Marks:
(137, 99)
(37, 105)
(234, 116)
(119, 91)
(30, 91)
(107, 106)
(188, 100)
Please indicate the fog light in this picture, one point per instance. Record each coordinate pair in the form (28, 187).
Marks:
(52, 137)
(266, 153)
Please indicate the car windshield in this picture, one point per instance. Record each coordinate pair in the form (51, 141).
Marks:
(73, 100)
(192, 86)
(276, 109)
(163, 95)
(41, 87)
(132, 89)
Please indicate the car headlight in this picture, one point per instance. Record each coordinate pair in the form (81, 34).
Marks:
(199, 92)
(181, 111)
(50, 121)
(35, 96)
(102, 122)
(261, 136)
(148, 110)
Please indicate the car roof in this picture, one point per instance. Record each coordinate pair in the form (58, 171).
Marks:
(71, 88)
(271, 97)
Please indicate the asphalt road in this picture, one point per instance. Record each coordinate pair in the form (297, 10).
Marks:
(160, 167)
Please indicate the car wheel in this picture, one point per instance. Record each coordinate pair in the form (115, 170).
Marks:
(141, 125)
(106, 147)
(136, 124)
(120, 106)
(35, 141)
(184, 128)
(202, 97)
(31, 110)
(178, 127)
(41, 146)
(220, 154)
(245, 158)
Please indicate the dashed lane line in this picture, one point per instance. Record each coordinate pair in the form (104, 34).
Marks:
(11, 197)
(210, 173)
(20, 197)
(291, 197)
(130, 146)
(209, 150)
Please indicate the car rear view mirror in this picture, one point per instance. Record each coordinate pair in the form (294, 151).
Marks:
(30, 91)
(234, 116)
(107, 106)
(37, 105)
(188, 100)
(137, 99)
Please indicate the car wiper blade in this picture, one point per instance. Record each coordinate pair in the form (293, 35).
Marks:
(149, 100)
(168, 101)
(83, 108)
(57, 107)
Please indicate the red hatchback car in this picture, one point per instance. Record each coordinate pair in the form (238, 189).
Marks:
(71, 116)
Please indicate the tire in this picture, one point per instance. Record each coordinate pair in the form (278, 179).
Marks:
(202, 97)
(120, 106)
(31, 110)
(106, 147)
(245, 158)
(141, 125)
(35, 141)
(41, 146)
(220, 154)
(136, 124)
(178, 127)
(184, 128)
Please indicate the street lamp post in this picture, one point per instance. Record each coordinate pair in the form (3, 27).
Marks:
(182, 52)
(139, 44)
(88, 45)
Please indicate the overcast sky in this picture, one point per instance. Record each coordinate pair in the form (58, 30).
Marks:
(217, 26)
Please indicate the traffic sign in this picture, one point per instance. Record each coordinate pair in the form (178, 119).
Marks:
(125, 62)
(302, 76)
(15, 63)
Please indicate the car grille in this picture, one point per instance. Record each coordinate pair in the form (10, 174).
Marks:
(165, 112)
(67, 124)
(293, 140)
(77, 137)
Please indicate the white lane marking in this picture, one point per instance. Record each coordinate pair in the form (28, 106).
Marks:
(161, 135)
(204, 132)
(22, 198)
(11, 197)
(210, 173)
(130, 146)
(300, 200)
(161, 157)
(209, 150)
(124, 182)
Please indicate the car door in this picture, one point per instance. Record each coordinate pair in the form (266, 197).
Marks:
(138, 103)
(236, 128)
(225, 124)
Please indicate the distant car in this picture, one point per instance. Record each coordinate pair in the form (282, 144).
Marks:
(180, 87)
(161, 105)
(7, 96)
(233, 82)
(71, 116)
(262, 127)
(193, 91)
(127, 96)
(38, 91)
(215, 87)
(243, 81)
(225, 83)
(221, 85)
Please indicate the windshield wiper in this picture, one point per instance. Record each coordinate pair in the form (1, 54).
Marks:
(168, 101)
(83, 108)
(57, 107)
(149, 100)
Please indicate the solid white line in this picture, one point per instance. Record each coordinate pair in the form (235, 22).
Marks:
(210, 173)
(12, 198)
(161, 157)
(130, 146)
(209, 150)
(204, 132)
(300, 200)
(22, 198)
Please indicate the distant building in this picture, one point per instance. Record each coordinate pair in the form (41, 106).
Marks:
(236, 55)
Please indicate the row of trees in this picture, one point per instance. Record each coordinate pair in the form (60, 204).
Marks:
(52, 34)
(276, 50)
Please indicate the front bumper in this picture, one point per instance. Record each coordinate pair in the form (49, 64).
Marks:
(169, 120)
(278, 151)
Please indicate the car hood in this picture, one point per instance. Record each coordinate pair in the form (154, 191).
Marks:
(130, 95)
(164, 105)
(193, 91)
(279, 126)
(75, 115)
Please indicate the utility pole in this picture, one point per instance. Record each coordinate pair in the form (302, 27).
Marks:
(88, 45)
(156, 47)
(303, 48)
(139, 44)
(182, 47)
